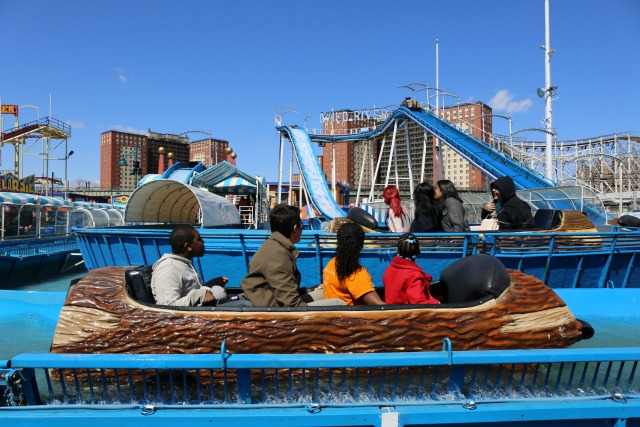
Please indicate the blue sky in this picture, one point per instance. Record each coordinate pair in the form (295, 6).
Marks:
(223, 66)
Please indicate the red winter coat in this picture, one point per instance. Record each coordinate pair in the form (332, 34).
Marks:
(406, 283)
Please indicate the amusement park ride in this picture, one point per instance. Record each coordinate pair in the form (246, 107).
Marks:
(50, 131)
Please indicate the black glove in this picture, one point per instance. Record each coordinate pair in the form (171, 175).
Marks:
(218, 281)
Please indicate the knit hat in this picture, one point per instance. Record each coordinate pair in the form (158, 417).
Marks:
(408, 245)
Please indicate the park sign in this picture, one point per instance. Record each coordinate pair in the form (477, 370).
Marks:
(10, 182)
(9, 109)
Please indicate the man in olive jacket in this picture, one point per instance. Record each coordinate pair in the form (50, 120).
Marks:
(273, 279)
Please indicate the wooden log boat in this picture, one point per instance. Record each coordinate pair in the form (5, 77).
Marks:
(488, 307)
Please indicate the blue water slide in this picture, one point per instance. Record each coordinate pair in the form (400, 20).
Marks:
(490, 161)
(321, 197)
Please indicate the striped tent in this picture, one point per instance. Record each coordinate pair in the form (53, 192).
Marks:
(235, 185)
(24, 198)
(225, 178)
(53, 201)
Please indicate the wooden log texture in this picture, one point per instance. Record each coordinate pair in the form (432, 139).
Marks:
(99, 317)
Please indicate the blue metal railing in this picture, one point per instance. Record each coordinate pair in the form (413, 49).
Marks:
(35, 124)
(337, 379)
(17, 249)
(581, 259)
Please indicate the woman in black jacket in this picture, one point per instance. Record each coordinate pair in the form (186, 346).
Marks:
(427, 213)
(512, 212)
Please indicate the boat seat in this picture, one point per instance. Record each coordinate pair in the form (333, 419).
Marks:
(629, 221)
(547, 219)
(362, 218)
(472, 278)
(138, 282)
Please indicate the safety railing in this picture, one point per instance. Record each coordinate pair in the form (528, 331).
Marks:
(472, 378)
(19, 249)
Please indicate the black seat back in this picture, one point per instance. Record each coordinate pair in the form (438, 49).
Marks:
(138, 283)
(474, 277)
(362, 218)
(547, 219)
(629, 221)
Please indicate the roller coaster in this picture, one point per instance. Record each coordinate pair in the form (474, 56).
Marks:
(604, 165)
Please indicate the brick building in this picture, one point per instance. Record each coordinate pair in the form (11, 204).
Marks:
(115, 146)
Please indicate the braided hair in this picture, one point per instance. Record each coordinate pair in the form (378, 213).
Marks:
(408, 246)
(350, 243)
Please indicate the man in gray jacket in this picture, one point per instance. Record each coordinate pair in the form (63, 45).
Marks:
(175, 281)
(273, 279)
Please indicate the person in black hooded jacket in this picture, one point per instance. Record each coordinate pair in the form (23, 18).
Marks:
(512, 212)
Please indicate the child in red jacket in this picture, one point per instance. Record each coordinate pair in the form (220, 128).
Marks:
(404, 281)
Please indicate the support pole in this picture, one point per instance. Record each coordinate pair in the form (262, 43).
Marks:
(279, 189)
(548, 110)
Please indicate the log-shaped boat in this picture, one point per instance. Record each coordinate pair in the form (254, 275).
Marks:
(488, 307)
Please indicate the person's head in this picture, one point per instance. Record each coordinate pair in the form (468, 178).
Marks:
(503, 188)
(186, 242)
(350, 243)
(446, 189)
(408, 246)
(424, 198)
(391, 197)
(286, 220)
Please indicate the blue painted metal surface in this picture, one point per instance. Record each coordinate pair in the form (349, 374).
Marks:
(314, 179)
(22, 261)
(562, 260)
(491, 161)
(542, 387)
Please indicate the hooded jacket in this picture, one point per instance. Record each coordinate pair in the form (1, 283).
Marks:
(513, 212)
(406, 283)
(175, 282)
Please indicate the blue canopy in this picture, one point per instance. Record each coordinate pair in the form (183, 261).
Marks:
(24, 198)
(235, 185)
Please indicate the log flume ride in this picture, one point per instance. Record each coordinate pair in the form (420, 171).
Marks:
(486, 307)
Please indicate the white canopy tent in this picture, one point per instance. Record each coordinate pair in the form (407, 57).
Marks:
(169, 201)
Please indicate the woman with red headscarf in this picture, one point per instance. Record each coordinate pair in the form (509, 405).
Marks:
(397, 217)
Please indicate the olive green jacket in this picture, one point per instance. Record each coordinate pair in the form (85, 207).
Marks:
(273, 277)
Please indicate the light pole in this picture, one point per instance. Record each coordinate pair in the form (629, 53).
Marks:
(66, 184)
(305, 122)
(548, 147)
(549, 92)
(278, 120)
(136, 164)
(439, 164)
(209, 143)
(66, 181)
(508, 118)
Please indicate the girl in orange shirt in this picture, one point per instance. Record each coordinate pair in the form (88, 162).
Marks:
(344, 277)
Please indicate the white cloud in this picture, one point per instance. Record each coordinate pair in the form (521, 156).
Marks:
(122, 76)
(128, 129)
(76, 124)
(503, 101)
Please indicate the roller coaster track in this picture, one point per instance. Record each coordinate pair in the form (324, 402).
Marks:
(491, 161)
(44, 127)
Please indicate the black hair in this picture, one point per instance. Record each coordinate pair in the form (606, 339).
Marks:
(424, 199)
(181, 234)
(350, 243)
(448, 190)
(284, 218)
(408, 245)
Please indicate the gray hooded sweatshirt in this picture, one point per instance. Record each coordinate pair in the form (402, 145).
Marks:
(175, 282)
